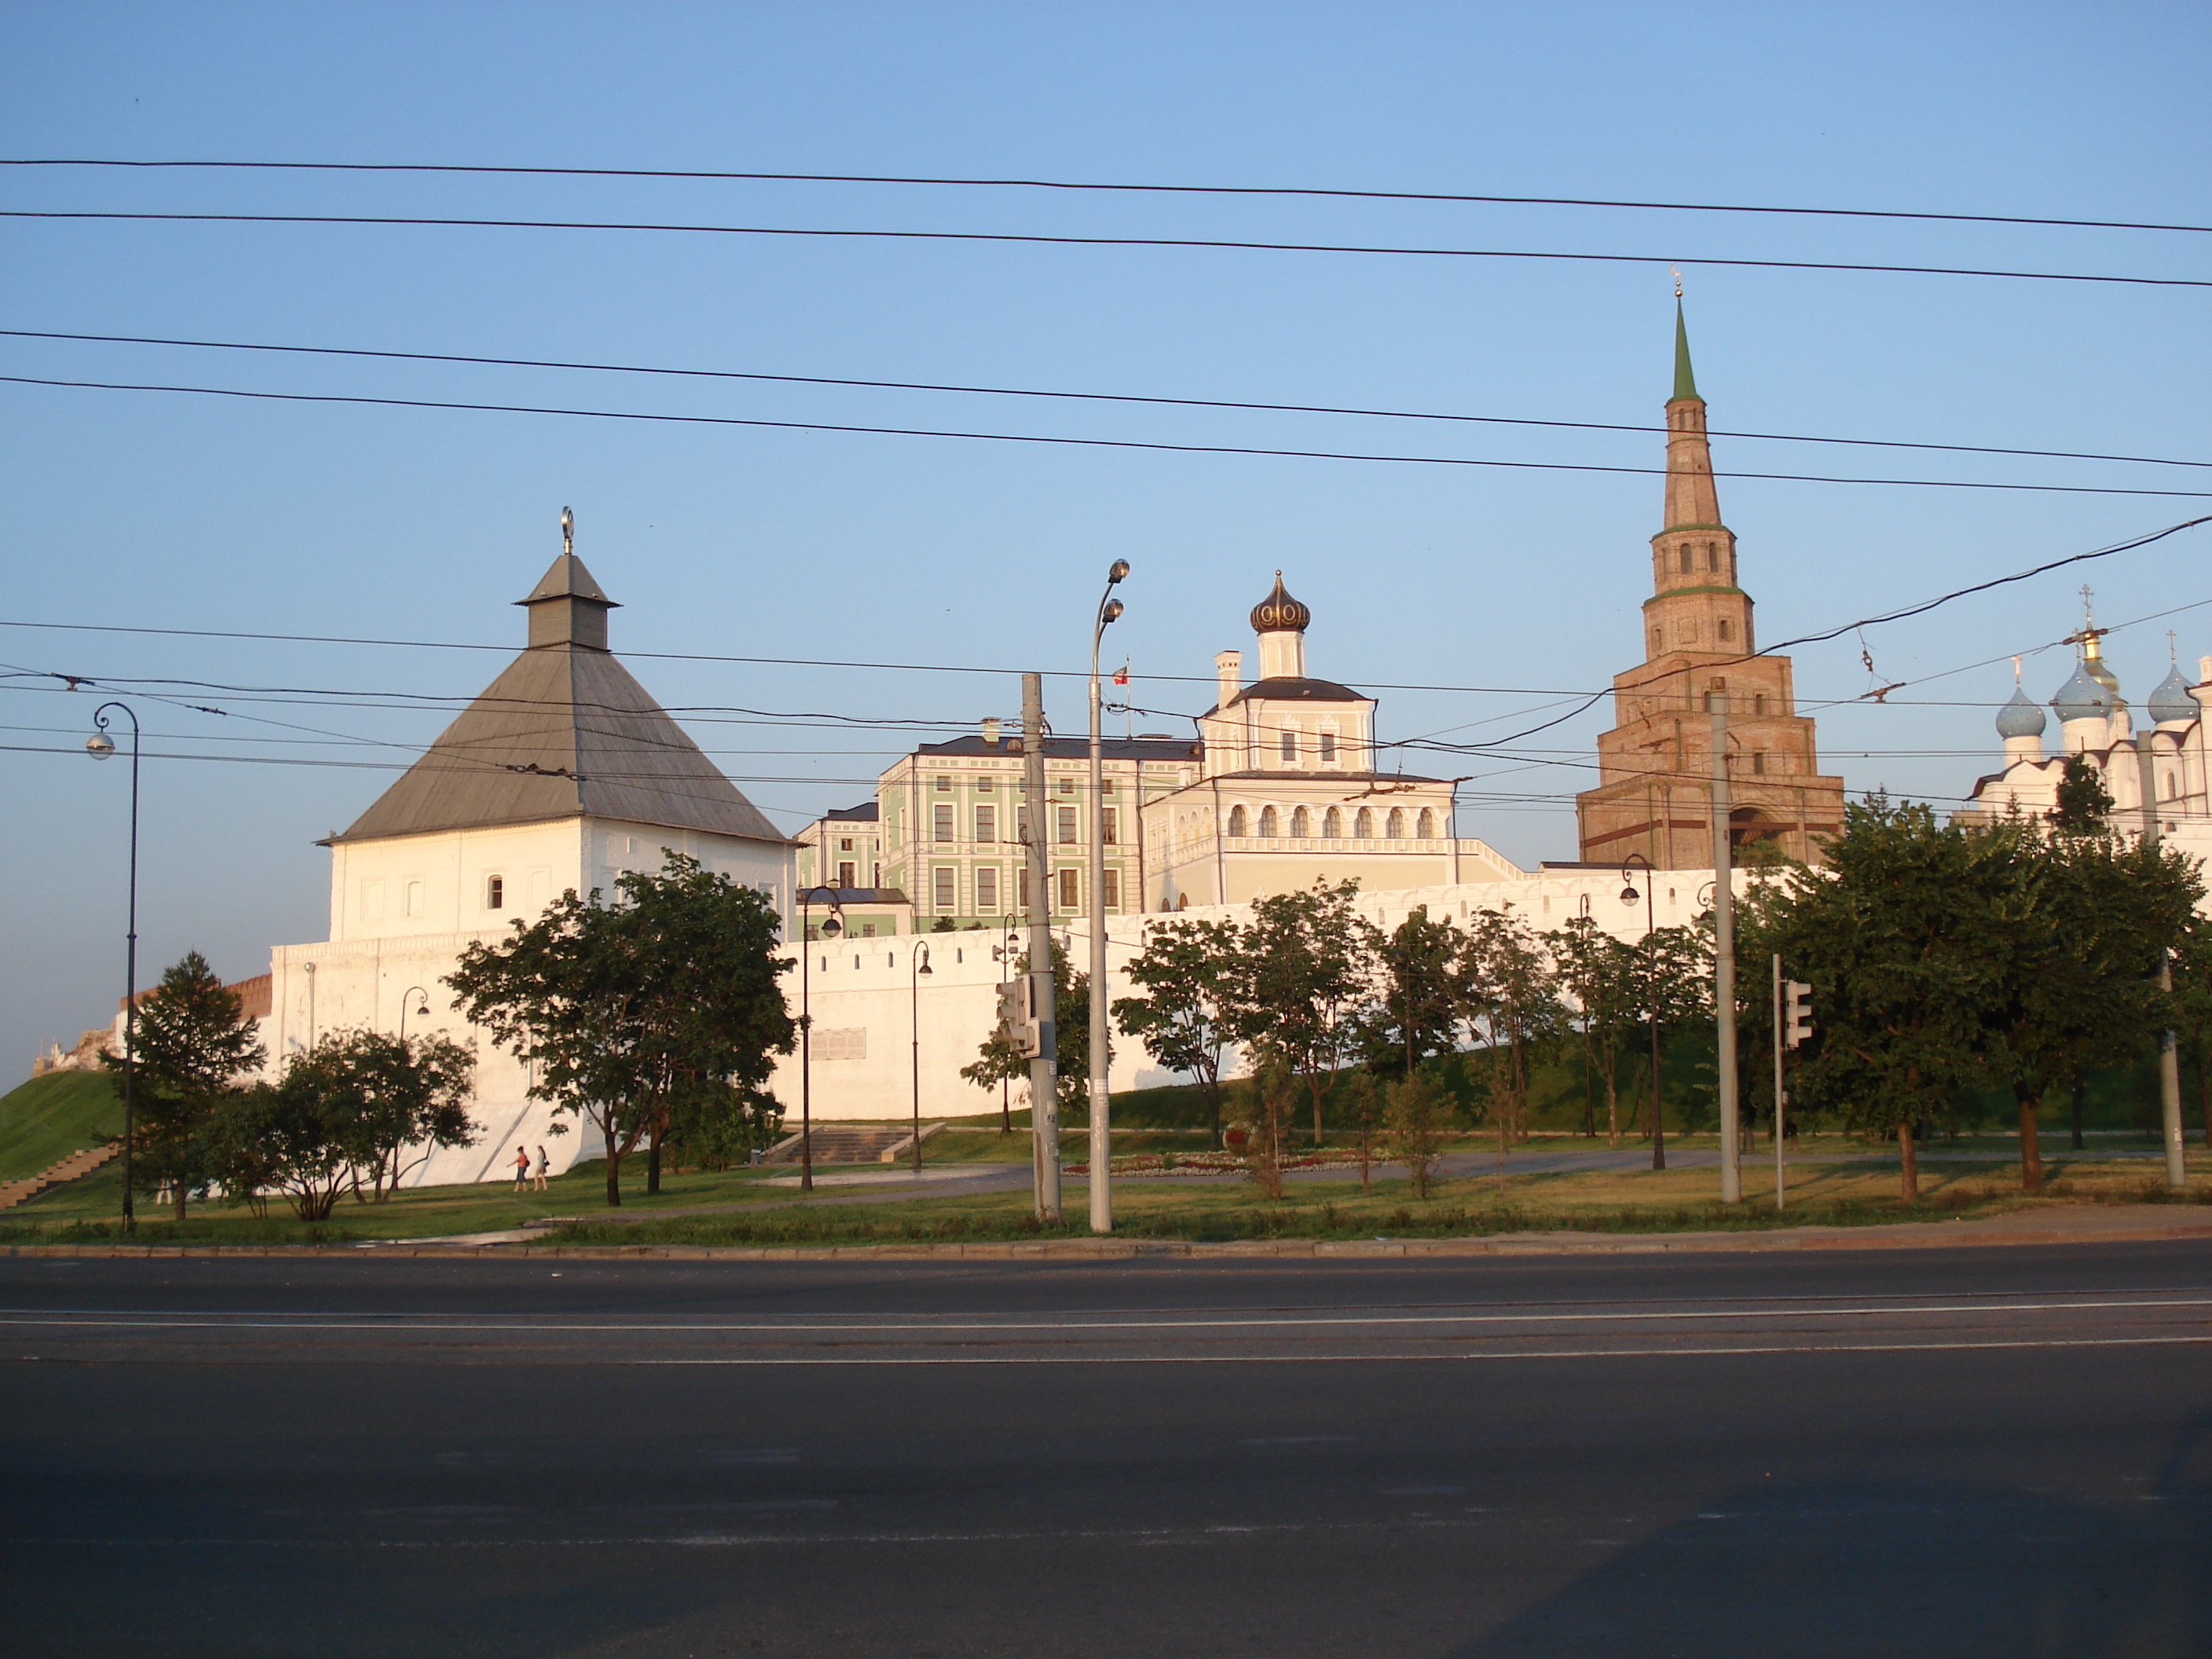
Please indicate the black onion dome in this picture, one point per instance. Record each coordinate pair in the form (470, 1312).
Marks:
(1278, 613)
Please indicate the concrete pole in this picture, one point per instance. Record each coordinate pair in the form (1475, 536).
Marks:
(1724, 953)
(2169, 1058)
(1780, 1098)
(1044, 1085)
(1101, 1131)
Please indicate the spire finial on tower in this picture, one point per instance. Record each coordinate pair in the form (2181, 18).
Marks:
(1686, 383)
(567, 532)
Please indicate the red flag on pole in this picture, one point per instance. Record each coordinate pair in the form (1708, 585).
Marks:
(1121, 674)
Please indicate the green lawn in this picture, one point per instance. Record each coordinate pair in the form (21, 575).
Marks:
(44, 1120)
(1858, 1191)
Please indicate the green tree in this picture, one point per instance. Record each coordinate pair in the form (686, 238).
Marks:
(2192, 1012)
(2077, 952)
(996, 1062)
(1265, 1117)
(1415, 1012)
(1510, 998)
(2084, 806)
(1420, 1119)
(1185, 972)
(1304, 982)
(192, 1044)
(717, 1125)
(623, 1010)
(1896, 939)
(352, 1106)
(1599, 973)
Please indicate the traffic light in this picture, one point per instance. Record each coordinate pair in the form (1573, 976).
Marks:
(1017, 1021)
(1796, 1012)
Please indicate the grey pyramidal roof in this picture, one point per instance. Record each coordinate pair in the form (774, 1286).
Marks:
(564, 732)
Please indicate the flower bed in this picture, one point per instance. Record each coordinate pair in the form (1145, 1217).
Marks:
(1214, 1163)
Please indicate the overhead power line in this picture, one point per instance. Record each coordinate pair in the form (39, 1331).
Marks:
(1077, 397)
(455, 222)
(1294, 190)
(1042, 438)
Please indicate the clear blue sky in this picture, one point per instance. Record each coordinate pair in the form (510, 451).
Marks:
(156, 510)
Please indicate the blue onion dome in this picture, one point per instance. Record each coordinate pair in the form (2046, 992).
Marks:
(2171, 700)
(2020, 718)
(2082, 698)
(1279, 613)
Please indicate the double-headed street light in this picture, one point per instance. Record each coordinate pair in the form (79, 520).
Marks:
(99, 746)
(1102, 1140)
(1629, 895)
(920, 971)
(832, 925)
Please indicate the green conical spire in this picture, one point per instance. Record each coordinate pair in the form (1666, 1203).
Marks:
(1686, 383)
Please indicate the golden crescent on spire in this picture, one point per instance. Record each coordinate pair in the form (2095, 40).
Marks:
(1677, 272)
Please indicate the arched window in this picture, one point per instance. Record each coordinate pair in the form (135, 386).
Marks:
(1425, 827)
(1394, 827)
(1236, 821)
(1362, 826)
(1712, 556)
(1301, 826)
(2169, 786)
(1682, 558)
(1268, 829)
(1332, 824)
(1658, 641)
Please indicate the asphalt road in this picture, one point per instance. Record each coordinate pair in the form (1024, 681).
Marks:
(1954, 1452)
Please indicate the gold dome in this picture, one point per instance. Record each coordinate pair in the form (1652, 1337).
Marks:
(1278, 613)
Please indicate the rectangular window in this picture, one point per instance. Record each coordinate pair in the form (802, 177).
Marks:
(1022, 887)
(1328, 748)
(1022, 825)
(944, 889)
(1066, 816)
(1071, 891)
(1758, 760)
(848, 873)
(940, 821)
(944, 786)
(1110, 820)
(986, 890)
(987, 823)
(1106, 786)
(987, 783)
(1067, 785)
(1113, 890)
(1290, 745)
(845, 844)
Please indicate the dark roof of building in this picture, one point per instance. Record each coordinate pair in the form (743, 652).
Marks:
(816, 898)
(564, 731)
(1149, 749)
(1329, 775)
(1296, 690)
(866, 813)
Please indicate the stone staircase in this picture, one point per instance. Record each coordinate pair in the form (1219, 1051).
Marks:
(848, 1143)
(13, 1193)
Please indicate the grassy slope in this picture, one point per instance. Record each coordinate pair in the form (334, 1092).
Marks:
(44, 1120)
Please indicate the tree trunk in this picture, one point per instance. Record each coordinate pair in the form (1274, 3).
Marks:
(177, 1192)
(1589, 1096)
(2205, 1099)
(2079, 1093)
(653, 1164)
(1611, 1101)
(1213, 1099)
(1316, 1085)
(614, 1166)
(1908, 1163)
(2031, 1145)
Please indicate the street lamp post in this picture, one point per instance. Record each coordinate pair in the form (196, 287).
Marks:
(831, 926)
(1629, 895)
(920, 965)
(412, 993)
(1101, 1137)
(99, 746)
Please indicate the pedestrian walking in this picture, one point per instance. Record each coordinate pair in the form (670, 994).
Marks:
(521, 1170)
(543, 1165)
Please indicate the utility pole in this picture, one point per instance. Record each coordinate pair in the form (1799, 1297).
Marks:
(2169, 1060)
(1101, 1128)
(1044, 1086)
(1724, 953)
(1779, 1096)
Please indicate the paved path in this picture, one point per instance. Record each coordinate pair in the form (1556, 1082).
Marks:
(1964, 1453)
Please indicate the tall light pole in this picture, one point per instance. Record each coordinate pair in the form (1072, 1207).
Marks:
(831, 926)
(2169, 1059)
(1629, 895)
(920, 963)
(1102, 1133)
(412, 993)
(1725, 952)
(99, 746)
(1044, 1079)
